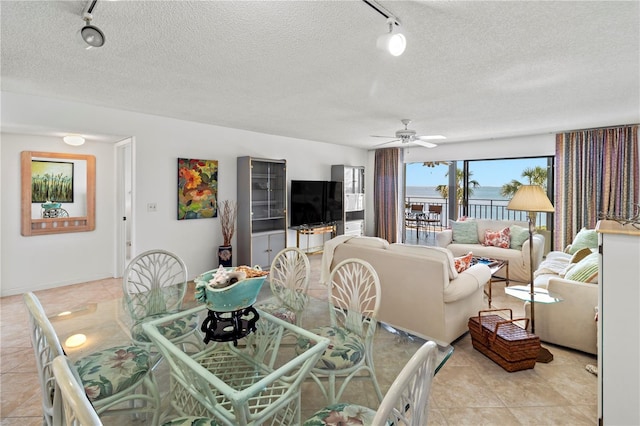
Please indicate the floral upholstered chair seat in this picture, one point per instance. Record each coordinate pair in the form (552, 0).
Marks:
(345, 349)
(191, 421)
(113, 370)
(171, 330)
(342, 414)
(278, 311)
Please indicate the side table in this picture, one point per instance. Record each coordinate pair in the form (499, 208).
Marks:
(494, 265)
(540, 295)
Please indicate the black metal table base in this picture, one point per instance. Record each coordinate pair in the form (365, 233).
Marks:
(229, 326)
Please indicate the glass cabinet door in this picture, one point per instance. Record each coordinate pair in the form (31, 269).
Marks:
(278, 190)
(268, 184)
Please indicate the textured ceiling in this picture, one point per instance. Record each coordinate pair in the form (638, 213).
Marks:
(310, 69)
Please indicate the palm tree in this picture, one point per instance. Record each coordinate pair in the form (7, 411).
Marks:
(443, 190)
(535, 176)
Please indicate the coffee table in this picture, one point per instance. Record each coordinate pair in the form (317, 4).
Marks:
(494, 265)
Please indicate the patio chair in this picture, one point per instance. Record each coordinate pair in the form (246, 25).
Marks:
(406, 402)
(110, 377)
(289, 280)
(354, 296)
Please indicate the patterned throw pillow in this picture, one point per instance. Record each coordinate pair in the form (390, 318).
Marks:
(585, 270)
(585, 238)
(497, 238)
(463, 262)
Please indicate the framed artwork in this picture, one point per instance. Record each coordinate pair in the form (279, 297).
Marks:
(51, 181)
(197, 188)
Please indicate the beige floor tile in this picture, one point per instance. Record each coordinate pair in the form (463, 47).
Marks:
(498, 416)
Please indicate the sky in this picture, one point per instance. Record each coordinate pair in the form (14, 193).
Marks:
(486, 172)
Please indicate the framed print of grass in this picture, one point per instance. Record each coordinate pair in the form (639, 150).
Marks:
(197, 188)
(51, 181)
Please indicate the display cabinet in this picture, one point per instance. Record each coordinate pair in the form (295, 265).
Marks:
(352, 178)
(262, 210)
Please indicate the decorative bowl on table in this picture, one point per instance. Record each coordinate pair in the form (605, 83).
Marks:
(230, 297)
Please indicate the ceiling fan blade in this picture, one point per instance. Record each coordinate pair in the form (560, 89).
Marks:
(386, 143)
(424, 143)
(431, 137)
(378, 136)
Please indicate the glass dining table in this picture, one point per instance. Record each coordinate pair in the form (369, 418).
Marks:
(257, 379)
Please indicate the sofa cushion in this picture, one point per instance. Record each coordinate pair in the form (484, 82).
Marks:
(584, 238)
(497, 238)
(465, 232)
(374, 242)
(518, 236)
(428, 252)
(580, 254)
(585, 270)
(463, 263)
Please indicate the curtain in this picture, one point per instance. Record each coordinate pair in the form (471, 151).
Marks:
(385, 193)
(596, 175)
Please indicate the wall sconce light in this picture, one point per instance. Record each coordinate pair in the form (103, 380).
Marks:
(74, 140)
(394, 43)
(75, 340)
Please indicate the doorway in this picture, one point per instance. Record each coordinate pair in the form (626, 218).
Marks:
(124, 203)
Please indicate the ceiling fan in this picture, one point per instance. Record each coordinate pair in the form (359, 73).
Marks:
(407, 135)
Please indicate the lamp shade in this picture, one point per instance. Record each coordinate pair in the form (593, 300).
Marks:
(530, 198)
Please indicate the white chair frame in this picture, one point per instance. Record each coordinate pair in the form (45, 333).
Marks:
(75, 409)
(155, 282)
(47, 347)
(354, 296)
(289, 280)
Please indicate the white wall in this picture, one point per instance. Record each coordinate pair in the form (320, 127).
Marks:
(159, 141)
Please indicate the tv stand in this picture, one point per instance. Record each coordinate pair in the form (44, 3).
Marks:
(319, 229)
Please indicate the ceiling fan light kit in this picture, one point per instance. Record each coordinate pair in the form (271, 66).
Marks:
(407, 136)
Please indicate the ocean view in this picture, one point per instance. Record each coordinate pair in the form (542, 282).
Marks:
(480, 193)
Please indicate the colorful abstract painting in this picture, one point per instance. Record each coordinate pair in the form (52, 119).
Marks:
(197, 188)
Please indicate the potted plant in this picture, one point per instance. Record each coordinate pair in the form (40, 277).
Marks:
(227, 211)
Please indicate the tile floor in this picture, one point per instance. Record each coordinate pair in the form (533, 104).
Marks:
(469, 390)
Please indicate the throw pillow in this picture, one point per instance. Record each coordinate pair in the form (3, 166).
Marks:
(465, 232)
(585, 238)
(463, 262)
(497, 238)
(518, 236)
(585, 271)
(580, 254)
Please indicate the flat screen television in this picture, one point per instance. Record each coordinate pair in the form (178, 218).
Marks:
(315, 202)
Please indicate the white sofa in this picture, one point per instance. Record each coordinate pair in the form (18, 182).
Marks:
(571, 322)
(422, 293)
(518, 258)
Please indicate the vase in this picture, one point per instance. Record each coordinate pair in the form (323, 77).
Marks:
(224, 255)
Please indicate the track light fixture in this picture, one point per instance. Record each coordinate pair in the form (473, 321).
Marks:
(91, 34)
(393, 43)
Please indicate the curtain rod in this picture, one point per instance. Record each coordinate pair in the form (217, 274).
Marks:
(599, 128)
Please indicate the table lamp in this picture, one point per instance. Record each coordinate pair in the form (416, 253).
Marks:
(532, 199)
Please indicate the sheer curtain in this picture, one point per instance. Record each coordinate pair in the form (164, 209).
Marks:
(596, 173)
(386, 191)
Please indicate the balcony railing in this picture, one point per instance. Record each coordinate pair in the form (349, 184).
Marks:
(478, 208)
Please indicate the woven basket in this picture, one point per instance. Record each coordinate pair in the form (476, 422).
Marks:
(503, 341)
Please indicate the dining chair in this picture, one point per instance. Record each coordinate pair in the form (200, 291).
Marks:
(354, 301)
(289, 280)
(433, 217)
(110, 377)
(74, 408)
(154, 285)
(406, 403)
(77, 409)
